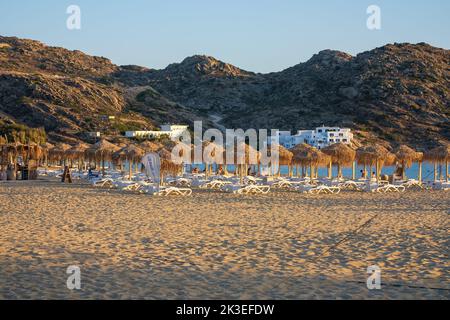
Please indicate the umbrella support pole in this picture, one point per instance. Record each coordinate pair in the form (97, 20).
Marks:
(420, 172)
(446, 170)
(330, 170)
(241, 178)
(377, 169)
(404, 171)
(353, 170)
(129, 170)
(435, 172)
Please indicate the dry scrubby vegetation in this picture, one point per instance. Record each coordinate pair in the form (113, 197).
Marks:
(13, 132)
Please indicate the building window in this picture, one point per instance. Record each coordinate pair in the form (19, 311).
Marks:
(331, 134)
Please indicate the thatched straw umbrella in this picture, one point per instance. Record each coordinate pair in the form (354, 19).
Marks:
(406, 156)
(59, 152)
(167, 165)
(77, 152)
(342, 155)
(284, 157)
(3, 159)
(306, 155)
(439, 155)
(242, 160)
(21, 150)
(249, 155)
(132, 154)
(13, 150)
(102, 151)
(28, 152)
(34, 152)
(10, 153)
(167, 148)
(46, 147)
(373, 155)
(390, 159)
(3, 153)
(212, 150)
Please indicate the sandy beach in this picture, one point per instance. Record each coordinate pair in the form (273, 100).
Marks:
(212, 245)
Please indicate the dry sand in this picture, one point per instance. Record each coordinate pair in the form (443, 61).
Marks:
(211, 245)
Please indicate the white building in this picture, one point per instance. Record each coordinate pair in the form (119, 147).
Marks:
(172, 131)
(320, 137)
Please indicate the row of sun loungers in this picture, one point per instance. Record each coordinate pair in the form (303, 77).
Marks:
(141, 187)
(182, 186)
(255, 187)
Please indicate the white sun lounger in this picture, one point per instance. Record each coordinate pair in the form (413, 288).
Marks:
(180, 182)
(135, 187)
(411, 184)
(282, 184)
(352, 185)
(251, 180)
(289, 184)
(214, 184)
(386, 188)
(246, 189)
(103, 183)
(322, 189)
(173, 191)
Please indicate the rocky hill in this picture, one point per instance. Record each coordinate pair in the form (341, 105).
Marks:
(70, 93)
(398, 93)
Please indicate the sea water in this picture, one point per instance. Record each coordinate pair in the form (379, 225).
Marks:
(411, 173)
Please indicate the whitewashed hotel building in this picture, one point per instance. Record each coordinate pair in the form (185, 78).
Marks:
(320, 137)
(170, 130)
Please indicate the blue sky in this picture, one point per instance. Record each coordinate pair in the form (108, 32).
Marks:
(256, 35)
